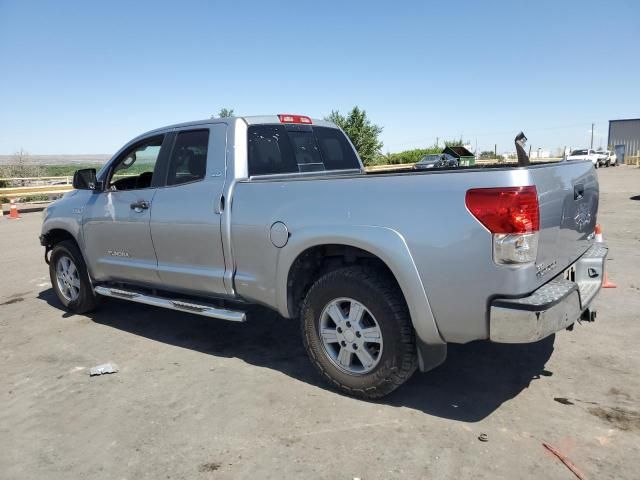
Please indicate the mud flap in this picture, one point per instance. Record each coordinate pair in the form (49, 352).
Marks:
(430, 356)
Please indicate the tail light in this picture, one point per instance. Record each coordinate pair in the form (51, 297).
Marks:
(512, 215)
(289, 118)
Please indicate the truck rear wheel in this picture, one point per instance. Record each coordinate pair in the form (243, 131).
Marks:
(357, 331)
(70, 279)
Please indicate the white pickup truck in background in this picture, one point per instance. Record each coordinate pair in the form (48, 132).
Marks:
(586, 154)
(607, 158)
(599, 158)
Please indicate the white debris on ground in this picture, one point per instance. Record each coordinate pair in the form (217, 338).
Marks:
(103, 369)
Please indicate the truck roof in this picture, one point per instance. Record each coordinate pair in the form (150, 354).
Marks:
(249, 120)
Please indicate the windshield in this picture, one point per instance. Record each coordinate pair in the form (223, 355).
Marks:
(579, 152)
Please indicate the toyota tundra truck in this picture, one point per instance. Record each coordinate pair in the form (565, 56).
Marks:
(381, 269)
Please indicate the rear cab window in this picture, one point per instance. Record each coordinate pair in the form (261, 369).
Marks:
(289, 148)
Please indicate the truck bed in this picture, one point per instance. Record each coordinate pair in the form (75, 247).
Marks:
(477, 167)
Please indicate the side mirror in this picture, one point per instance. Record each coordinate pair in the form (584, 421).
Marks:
(85, 179)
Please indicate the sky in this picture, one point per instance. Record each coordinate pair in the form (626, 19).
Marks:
(84, 77)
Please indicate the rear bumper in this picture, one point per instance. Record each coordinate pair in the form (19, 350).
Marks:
(554, 306)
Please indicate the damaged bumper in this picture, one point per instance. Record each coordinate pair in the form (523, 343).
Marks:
(554, 306)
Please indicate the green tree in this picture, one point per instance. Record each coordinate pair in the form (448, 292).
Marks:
(490, 155)
(454, 143)
(225, 112)
(363, 134)
(411, 156)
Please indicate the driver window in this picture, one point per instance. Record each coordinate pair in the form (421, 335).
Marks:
(134, 169)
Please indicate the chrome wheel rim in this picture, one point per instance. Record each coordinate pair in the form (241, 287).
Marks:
(351, 336)
(68, 278)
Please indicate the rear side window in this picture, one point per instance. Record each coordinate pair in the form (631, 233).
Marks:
(277, 149)
(188, 162)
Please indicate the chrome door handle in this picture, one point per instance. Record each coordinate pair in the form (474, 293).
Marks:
(140, 205)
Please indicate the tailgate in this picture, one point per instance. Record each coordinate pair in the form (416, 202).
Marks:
(568, 198)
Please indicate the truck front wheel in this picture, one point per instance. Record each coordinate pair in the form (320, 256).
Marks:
(70, 279)
(358, 333)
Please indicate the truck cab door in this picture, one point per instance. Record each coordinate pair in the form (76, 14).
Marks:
(116, 218)
(186, 214)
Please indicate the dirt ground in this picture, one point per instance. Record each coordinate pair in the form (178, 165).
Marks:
(198, 398)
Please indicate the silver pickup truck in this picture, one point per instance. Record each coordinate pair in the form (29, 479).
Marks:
(381, 269)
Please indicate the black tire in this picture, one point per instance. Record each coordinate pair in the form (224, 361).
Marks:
(87, 299)
(382, 297)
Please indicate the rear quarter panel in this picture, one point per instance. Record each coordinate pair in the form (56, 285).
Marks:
(451, 250)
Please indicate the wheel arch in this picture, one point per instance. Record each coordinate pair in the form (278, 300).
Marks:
(55, 236)
(58, 230)
(380, 246)
(320, 259)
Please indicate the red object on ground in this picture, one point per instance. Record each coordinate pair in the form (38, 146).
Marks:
(607, 283)
(568, 463)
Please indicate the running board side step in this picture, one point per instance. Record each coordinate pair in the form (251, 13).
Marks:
(182, 306)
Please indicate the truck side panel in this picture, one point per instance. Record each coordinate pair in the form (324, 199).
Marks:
(451, 250)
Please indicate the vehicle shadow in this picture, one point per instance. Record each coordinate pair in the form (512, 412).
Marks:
(474, 381)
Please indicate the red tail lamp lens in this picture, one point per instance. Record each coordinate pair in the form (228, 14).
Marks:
(505, 210)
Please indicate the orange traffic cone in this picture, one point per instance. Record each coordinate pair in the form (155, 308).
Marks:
(600, 239)
(14, 214)
(598, 232)
(607, 283)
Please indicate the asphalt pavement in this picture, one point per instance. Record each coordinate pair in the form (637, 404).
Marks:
(200, 398)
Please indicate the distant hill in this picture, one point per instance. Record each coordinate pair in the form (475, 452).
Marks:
(61, 159)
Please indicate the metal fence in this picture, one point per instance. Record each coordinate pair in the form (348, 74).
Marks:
(632, 160)
(25, 187)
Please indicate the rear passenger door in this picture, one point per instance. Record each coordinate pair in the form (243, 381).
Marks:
(185, 218)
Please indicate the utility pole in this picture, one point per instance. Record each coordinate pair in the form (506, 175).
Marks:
(591, 147)
(437, 142)
(495, 150)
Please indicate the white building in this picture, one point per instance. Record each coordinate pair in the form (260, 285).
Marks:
(540, 153)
